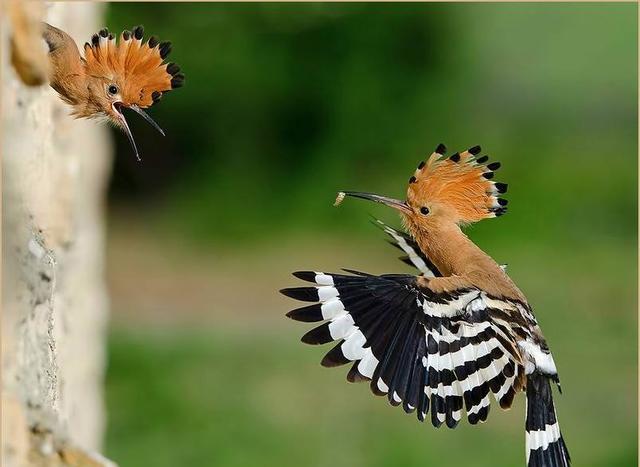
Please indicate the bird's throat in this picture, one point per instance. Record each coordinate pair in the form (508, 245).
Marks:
(452, 252)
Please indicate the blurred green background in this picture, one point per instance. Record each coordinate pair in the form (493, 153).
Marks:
(285, 104)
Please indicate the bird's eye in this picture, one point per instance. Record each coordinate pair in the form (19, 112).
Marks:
(113, 89)
(424, 210)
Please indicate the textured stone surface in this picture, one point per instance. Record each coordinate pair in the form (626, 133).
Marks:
(54, 174)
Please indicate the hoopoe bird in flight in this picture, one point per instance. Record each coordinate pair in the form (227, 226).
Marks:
(443, 340)
(112, 75)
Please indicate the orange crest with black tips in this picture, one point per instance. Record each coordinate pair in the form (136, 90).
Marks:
(137, 67)
(461, 183)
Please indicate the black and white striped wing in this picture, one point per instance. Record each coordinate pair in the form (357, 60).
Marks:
(414, 256)
(426, 351)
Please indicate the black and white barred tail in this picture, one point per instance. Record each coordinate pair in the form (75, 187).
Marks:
(544, 443)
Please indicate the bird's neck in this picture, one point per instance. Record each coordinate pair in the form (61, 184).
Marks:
(69, 87)
(66, 68)
(454, 254)
(451, 250)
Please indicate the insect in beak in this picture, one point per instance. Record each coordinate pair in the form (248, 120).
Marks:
(118, 106)
(392, 203)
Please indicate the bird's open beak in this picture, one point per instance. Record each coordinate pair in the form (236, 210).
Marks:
(392, 203)
(117, 107)
(147, 117)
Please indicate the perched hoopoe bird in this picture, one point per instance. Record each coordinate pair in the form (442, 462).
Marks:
(443, 340)
(112, 76)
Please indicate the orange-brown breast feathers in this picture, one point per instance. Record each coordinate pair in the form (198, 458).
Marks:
(137, 67)
(462, 183)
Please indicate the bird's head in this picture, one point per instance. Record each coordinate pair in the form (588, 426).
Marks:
(114, 75)
(128, 74)
(457, 190)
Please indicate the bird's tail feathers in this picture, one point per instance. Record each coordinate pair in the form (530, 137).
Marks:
(544, 442)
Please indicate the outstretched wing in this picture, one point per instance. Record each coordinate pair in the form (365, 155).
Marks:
(414, 256)
(424, 350)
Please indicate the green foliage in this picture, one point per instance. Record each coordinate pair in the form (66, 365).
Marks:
(285, 104)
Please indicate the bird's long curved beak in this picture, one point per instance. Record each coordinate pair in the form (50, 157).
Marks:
(391, 202)
(147, 117)
(117, 107)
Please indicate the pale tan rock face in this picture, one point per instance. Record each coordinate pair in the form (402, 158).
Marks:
(54, 301)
